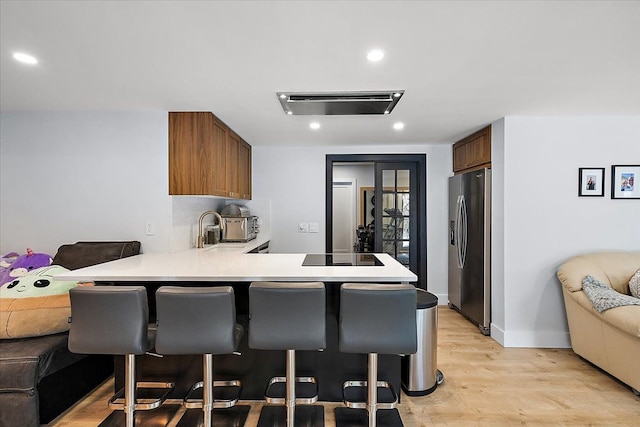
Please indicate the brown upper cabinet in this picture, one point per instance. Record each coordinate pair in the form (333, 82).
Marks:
(244, 173)
(207, 158)
(473, 152)
(238, 167)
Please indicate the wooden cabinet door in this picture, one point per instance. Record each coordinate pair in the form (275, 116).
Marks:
(197, 154)
(238, 167)
(233, 153)
(460, 157)
(480, 150)
(190, 153)
(219, 163)
(244, 170)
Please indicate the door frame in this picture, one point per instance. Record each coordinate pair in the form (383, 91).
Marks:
(421, 161)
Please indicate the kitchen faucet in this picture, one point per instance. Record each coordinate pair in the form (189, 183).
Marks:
(200, 243)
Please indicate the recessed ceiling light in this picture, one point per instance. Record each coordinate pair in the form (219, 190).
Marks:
(397, 95)
(375, 55)
(283, 96)
(25, 58)
(398, 125)
(314, 125)
(289, 112)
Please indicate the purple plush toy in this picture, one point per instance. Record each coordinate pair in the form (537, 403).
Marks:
(24, 264)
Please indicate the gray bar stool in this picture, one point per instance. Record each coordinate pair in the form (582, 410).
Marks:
(115, 320)
(288, 316)
(375, 319)
(194, 320)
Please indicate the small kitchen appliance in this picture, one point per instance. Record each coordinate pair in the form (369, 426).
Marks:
(239, 224)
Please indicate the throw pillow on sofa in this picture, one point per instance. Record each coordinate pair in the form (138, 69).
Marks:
(634, 284)
(35, 304)
(603, 297)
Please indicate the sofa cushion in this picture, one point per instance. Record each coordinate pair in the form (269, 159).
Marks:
(24, 362)
(603, 297)
(634, 285)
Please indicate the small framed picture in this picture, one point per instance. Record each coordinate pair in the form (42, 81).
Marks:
(624, 182)
(591, 182)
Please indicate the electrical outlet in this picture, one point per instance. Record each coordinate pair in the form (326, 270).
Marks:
(303, 227)
(314, 227)
(149, 229)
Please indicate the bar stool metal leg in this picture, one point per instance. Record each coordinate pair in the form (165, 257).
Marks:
(291, 387)
(207, 392)
(130, 389)
(372, 388)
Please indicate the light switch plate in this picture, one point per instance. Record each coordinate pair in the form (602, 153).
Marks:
(303, 227)
(149, 228)
(314, 227)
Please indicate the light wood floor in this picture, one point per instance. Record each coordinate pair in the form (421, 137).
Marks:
(485, 385)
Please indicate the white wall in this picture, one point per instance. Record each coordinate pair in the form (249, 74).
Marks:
(545, 222)
(497, 231)
(293, 179)
(68, 177)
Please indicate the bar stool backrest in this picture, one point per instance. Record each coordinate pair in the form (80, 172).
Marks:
(109, 320)
(377, 318)
(193, 320)
(287, 316)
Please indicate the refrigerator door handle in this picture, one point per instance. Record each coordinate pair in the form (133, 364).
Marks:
(463, 246)
(458, 231)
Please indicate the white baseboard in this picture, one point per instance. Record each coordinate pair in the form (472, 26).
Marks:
(497, 334)
(536, 339)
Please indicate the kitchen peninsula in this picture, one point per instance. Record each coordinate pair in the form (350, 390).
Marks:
(233, 264)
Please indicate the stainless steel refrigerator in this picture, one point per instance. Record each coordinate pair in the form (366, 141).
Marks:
(470, 246)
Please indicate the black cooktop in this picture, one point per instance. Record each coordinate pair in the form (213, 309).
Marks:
(341, 260)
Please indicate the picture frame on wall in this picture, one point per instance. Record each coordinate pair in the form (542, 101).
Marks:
(625, 182)
(591, 182)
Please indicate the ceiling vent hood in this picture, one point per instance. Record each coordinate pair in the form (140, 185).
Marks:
(339, 103)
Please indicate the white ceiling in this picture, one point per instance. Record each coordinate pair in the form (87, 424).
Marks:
(462, 64)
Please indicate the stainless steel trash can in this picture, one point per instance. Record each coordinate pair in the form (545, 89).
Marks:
(420, 374)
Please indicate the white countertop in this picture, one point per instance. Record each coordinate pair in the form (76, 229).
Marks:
(231, 262)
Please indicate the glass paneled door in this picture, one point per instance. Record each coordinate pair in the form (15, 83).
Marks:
(391, 202)
(395, 219)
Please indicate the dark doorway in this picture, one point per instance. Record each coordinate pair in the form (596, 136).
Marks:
(399, 225)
